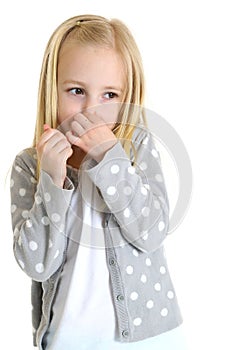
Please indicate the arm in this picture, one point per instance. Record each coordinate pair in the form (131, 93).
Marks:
(38, 218)
(136, 195)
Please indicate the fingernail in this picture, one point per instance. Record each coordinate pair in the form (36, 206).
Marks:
(46, 127)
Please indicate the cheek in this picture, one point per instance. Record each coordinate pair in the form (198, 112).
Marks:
(109, 113)
(67, 108)
(110, 118)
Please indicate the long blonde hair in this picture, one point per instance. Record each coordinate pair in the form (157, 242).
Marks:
(94, 30)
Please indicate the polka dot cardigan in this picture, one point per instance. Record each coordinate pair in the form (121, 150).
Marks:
(136, 224)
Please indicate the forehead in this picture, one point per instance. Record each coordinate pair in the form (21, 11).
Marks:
(85, 61)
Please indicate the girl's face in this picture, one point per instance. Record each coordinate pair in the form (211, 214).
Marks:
(89, 76)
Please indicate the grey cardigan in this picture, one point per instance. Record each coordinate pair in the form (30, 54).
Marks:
(135, 225)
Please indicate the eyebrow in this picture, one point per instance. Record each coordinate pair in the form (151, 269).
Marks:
(76, 82)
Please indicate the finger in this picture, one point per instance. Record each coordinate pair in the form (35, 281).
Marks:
(66, 153)
(74, 140)
(83, 121)
(47, 135)
(46, 127)
(61, 145)
(50, 140)
(94, 118)
(54, 140)
(77, 128)
(106, 115)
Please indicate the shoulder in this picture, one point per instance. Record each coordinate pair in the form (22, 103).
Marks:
(142, 136)
(26, 160)
(145, 142)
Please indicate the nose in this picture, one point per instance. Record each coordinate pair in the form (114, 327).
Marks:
(91, 103)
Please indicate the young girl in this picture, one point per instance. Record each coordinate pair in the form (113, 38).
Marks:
(89, 205)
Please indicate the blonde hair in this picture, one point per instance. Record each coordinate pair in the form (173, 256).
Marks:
(99, 31)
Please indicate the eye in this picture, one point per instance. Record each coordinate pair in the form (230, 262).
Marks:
(76, 91)
(110, 95)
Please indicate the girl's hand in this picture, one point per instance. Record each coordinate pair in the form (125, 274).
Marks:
(91, 133)
(53, 150)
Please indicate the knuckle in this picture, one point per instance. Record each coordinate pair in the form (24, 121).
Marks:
(74, 124)
(66, 143)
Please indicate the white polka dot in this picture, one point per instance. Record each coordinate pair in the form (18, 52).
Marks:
(25, 214)
(131, 170)
(161, 226)
(157, 287)
(145, 141)
(33, 245)
(20, 241)
(145, 211)
(127, 212)
(143, 166)
(145, 235)
(121, 244)
(143, 278)
(56, 254)
(111, 190)
(135, 252)
(162, 270)
(164, 312)
(134, 296)
(38, 199)
(17, 168)
(13, 208)
(47, 197)
(55, 217)
(144, 191)
(39, 268)
(12, 183)
(127, 190)
(115, 169)
(150, 304)
(129, 270)
(33, 180)
(156, 204)
(29, 223)
(21, 263)
(154, 153)
(148, 262)
(62, 228)
(50, 243)
(170, 294)
(158, 178)
(137, 321)
(22, 192)
(45, 220)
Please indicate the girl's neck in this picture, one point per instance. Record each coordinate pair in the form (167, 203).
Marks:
(77, 157)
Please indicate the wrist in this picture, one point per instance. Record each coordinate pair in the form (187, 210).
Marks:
(98, 157)
(58, 182)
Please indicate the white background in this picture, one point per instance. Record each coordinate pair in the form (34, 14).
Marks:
(187, 49)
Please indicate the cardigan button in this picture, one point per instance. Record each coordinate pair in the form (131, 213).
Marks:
(125, 333)
(120, 297)
(112, 261)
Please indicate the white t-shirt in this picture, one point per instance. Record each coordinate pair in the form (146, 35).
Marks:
(83, 311)
(83, 308)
